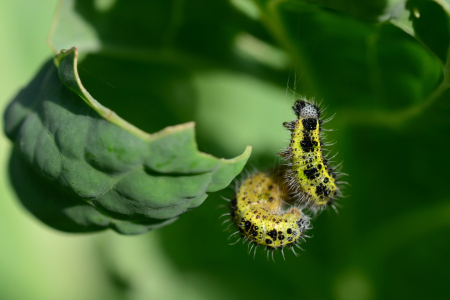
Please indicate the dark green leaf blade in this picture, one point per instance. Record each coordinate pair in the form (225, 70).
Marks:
(185, 32)
(114, 174)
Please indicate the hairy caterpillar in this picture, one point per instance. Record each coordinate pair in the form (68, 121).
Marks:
(309, 175)
(261, 212)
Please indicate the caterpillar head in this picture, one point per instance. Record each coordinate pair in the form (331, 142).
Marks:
(306, 110)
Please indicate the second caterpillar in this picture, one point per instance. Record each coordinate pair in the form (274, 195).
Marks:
(261, 211)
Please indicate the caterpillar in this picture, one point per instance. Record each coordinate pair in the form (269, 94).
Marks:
(263, 216)
(310, 176)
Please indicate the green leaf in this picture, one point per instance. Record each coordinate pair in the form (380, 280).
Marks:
(79, 167)
(431, 24)
(427, 21)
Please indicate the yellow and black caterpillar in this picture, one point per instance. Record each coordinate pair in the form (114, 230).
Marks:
(261, 211)
(310, 176)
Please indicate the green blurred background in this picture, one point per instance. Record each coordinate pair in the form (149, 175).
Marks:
(390, 238)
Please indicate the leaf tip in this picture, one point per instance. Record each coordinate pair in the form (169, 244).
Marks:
(245, 155)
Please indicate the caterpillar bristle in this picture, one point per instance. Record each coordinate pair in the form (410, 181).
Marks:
(332, 143)
(226, 199)
(286, 153)
(289, 125)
